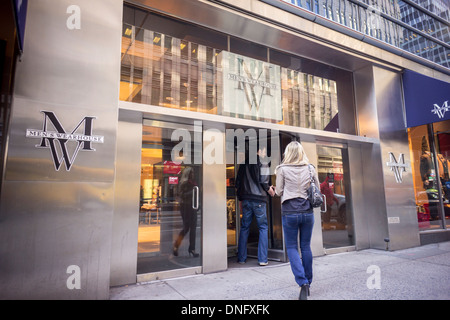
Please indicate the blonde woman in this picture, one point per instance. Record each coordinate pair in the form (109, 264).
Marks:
(293, 179)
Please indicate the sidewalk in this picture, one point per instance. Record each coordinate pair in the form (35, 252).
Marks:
(421, 273)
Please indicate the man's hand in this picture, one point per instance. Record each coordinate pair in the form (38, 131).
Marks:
(271, 191)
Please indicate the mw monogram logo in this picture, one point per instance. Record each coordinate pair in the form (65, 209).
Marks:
(57, 141)
(440, 111)
(398, 167)
(249, 83)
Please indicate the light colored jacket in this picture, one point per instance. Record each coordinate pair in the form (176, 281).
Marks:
(294, 180)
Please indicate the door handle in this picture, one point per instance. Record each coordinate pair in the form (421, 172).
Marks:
(325, 204)
(195, 193)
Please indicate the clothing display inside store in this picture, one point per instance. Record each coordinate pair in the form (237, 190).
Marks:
(431, 164)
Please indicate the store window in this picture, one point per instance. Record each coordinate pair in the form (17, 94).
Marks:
(169, 63)
(310, 92)
(430, 154)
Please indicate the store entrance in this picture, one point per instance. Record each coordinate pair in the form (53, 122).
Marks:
(336, 213)
(170, 215)
(235, 157)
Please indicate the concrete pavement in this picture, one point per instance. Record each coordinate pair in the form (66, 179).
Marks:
(421, 273)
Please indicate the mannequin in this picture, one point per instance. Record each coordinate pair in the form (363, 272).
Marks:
(428, 175)
(444, 175)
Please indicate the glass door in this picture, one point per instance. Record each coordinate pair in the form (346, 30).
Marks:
(336, 214)
(234, 206)
(169, 234)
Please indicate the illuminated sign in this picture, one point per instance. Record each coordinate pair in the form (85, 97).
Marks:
(251, 87)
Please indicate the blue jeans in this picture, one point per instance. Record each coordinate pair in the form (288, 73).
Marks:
(292, 225)
(252, 208)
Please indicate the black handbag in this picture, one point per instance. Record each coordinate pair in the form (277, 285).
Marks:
(314, 195)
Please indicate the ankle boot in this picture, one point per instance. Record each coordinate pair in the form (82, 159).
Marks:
(304, 292)
(193, 253)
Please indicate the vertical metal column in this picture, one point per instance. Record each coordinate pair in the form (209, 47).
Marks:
(214, 202)
(436, 165)
(126, 199)
(56, 208)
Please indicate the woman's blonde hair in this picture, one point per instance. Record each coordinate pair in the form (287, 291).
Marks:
(295, 154)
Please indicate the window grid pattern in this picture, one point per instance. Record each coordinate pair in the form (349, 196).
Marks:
(158, 69)
(394, 22)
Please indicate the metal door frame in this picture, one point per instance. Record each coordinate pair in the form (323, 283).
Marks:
(148, 120)
(215, 252)
(347, 184)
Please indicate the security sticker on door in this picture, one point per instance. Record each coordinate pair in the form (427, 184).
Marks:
(392, 220)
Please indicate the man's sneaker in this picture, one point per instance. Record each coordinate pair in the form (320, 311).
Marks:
(263, 263)
(241, 262)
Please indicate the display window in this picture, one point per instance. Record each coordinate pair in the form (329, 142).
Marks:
(430, 154)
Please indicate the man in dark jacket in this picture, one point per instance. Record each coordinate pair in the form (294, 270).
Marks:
(252, 184)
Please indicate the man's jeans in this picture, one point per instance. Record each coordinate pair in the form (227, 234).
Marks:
(292, 224)
(258, 209)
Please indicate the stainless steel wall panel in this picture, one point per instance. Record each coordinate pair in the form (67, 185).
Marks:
(214, 239)
(56, 57)
(45, 228)
(380, 115)
(373, 196)
(359, 203)
(126, 210)
(400, 201)
(27, 162)
(369, 199)
(51, 220)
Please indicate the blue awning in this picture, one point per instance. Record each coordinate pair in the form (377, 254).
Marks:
(427, 100)
(20, 9)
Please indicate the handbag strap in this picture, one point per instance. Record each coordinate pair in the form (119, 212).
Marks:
(310, 174)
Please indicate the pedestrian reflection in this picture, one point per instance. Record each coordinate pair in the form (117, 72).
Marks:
(189, 203)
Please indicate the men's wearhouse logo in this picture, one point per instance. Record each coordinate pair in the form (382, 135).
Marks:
(250, 83)
(57, 141)
(440, 111)
(398, 167)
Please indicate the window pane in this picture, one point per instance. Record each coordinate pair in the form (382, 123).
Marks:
(441, 132)
(169, 234)
(426, 179)
(173, 64)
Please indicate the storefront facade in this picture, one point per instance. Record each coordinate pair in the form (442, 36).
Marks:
(161, 93)
(428, 133)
